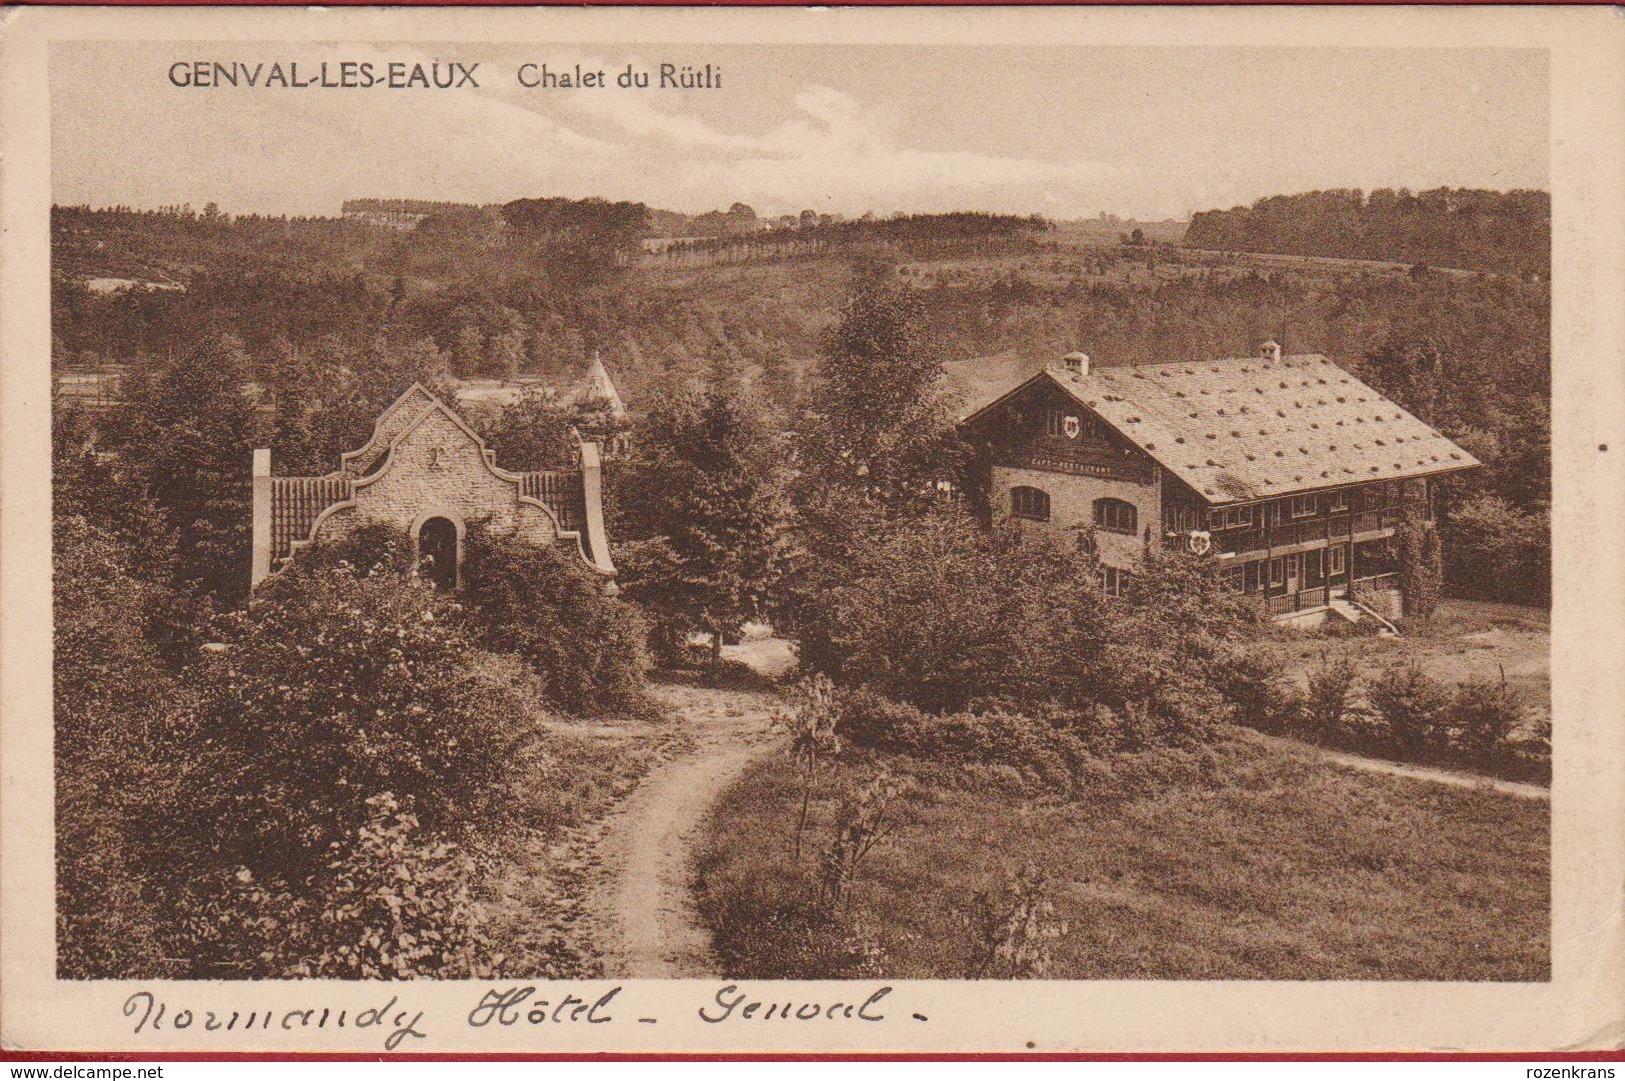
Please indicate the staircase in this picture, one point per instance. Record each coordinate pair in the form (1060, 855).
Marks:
(1354, 612)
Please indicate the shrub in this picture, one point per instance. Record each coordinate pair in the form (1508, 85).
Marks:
(948, 616)
(935, 613)
(1330, 699)
(1482, 717)
(397, 905)
(390, 903)
(543, 605)
(330, 691)
(1259, 693)
(811, 720)
(368, 550)
(1038, 750)
(1013, 929)
(1414, 706)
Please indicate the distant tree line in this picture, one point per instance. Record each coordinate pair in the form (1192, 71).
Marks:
(1447, 227)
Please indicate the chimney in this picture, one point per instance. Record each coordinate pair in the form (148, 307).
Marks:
(1076, 365)
(1270, 351)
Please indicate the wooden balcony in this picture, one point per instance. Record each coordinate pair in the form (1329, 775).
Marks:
(1310, 533)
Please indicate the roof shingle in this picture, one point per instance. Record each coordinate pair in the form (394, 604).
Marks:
(1184, 416)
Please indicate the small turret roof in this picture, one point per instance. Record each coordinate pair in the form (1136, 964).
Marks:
(598, 388)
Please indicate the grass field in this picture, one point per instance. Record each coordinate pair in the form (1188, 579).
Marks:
(1276, 868)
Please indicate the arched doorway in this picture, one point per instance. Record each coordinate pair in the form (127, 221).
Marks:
(437, 552)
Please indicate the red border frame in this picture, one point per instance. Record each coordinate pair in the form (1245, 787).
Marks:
(8, 1055)
(817, 1056)
(797, 3)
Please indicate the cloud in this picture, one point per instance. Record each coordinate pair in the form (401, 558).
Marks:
(835, 153)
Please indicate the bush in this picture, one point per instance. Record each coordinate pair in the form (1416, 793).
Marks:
(1499, 550)
(936, 613)
(389, 904)
(368, 550)
(330, 691)
(1260, 693)
(949, 617)
(1414, 706)
(544, 606)
(397, 905)
(1331, 695)
(1483, 715)
(1037, 750)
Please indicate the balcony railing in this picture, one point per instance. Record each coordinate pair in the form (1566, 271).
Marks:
(1301, 601)
(1362, 588)
(1366, 525)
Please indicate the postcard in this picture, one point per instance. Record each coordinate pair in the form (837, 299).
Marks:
(928, 530)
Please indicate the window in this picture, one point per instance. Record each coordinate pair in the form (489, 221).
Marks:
(1232, 518)
(1054, 422)
(1234, 579)
(1278, 571)
(1254, 571)
(1030, 503)
(1303, 506)
(1335, 556)
(1182, 519)
(1113, 582)
(1115, 516)
(1338, 500)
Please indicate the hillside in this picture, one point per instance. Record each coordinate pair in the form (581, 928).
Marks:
(1509, 232)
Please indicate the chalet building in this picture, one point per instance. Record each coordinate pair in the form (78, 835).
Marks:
(1292, 471)
(425, 472)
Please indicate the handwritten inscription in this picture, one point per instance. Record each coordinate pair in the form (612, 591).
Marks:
(526, 1006)
(516, 1004)
(734, 1004)
(151, 1013)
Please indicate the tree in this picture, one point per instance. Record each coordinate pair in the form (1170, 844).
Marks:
(879, 422)
(532, 432)
(705, 508)
(188, 435)
(114, 697)
(1499, 551)
(1421, 564)
(1412, 372)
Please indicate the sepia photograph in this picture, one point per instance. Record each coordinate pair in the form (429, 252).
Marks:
(578, 508)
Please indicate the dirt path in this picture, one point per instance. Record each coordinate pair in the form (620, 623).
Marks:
(642, 910)
(1420, 773)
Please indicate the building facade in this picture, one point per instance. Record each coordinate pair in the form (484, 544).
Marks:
(426, 473)
(1294, 473)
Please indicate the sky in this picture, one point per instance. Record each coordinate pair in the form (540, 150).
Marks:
(1062, 131)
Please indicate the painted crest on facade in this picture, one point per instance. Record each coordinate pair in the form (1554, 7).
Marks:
(1072, 426)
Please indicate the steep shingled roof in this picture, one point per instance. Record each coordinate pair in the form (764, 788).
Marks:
(1253, 428)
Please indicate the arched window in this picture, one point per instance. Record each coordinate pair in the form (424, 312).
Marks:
(1115, 516)
(1029, 502)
